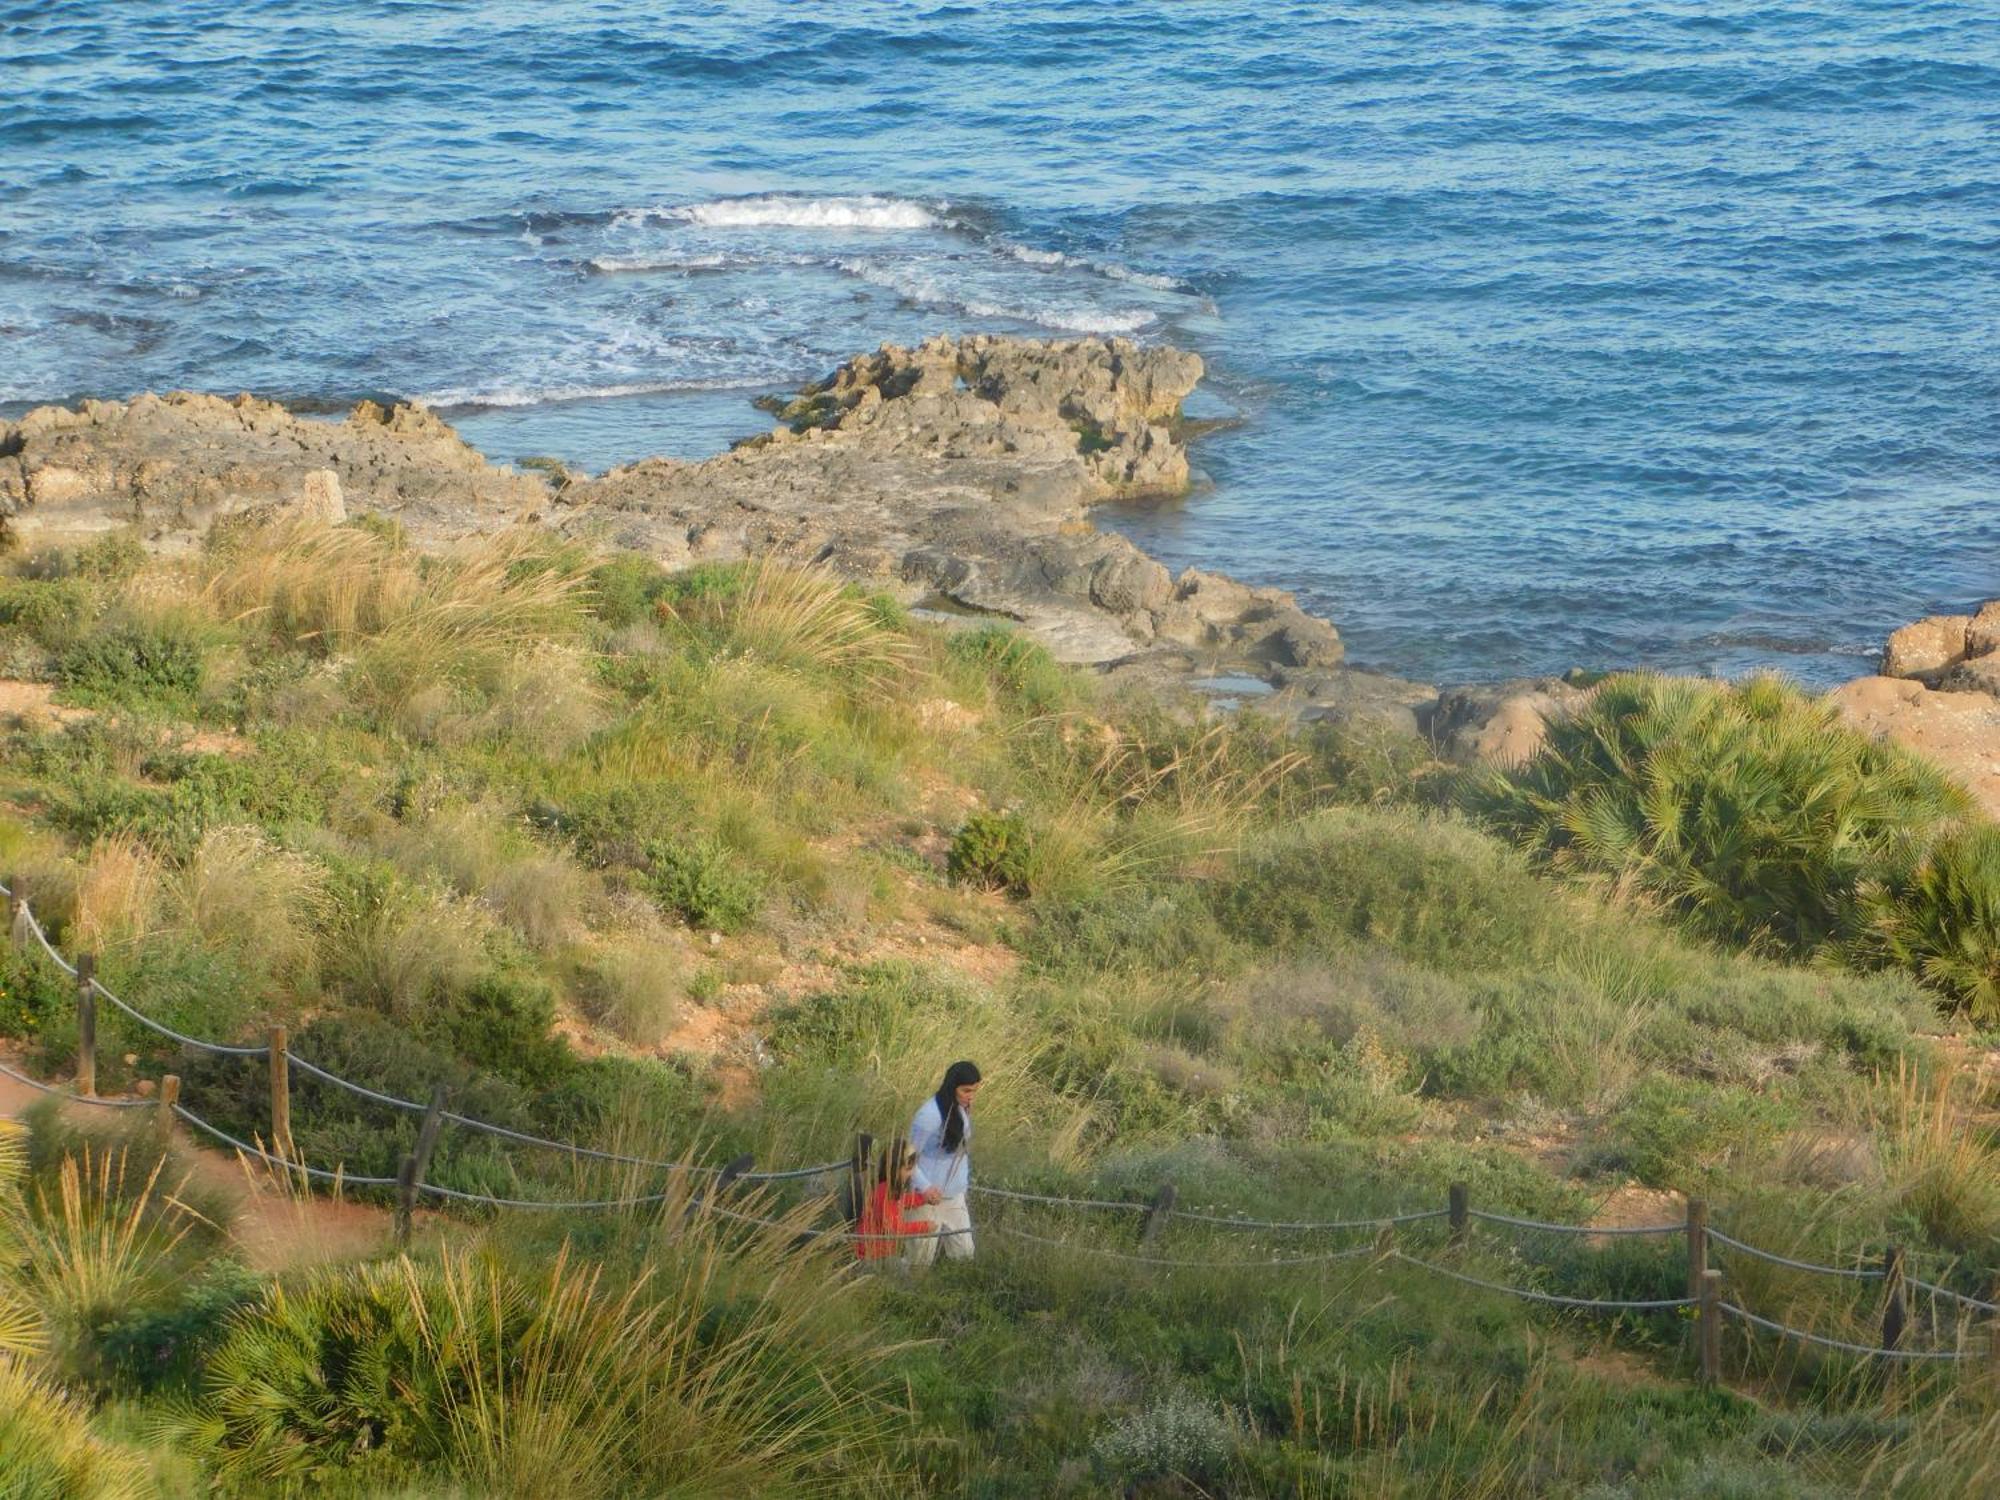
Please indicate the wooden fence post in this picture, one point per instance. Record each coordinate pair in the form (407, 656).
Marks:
(1895, 1308)
(857, 1176)
(281, 1094)
(1460, 1201)
(86, 1025)
(734, 1170)
(17, 911)
(1158, 1214)
(410, 1175)
(1711, 1327)
(1697, 1236)
(163, 1111)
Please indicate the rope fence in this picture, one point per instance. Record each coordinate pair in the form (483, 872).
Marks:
(1855, 1273)
(1704, 1282)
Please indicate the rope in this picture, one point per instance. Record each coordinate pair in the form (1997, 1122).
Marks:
(578, 1203)
(1963, 1299)
(1230, 1222)
(278, 1161)
(35, 926)
(805, 1232)
(1611, 1303)
(1959, 1297)
(792, 1174)
(1206, 1265)
(180, 1036)
(1018, 1196)
(62, 1093)
(1548, 1228)
(537, 1140)
(354, 1088)
(1825, 1343)
(1857, 1274)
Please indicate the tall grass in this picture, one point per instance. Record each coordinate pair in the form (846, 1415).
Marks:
(549, 1380)
(104, 1240)
(799, 617)
(48, 1450)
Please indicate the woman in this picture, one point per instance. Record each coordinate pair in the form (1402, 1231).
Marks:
(942, 1137)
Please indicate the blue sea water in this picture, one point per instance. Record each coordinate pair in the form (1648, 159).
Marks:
(1561, 334)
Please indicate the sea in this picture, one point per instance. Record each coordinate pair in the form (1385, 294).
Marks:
(1539, 335)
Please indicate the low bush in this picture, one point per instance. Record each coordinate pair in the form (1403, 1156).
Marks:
(1941, 920)
(1750, 810)
(992, 849)
(134, 662)
(703, 881)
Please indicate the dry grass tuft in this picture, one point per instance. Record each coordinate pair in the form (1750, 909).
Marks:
(117, 895)
(240, 891)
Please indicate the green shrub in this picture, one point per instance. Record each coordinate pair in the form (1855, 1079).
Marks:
(1749, 810)
(1675, 1133)
(1941, 921)
(133, 662)
(625, 588)
(201, 792)
(1181, 1435)
(52, 613)
(704, 882)
(501, 1022)
(32, 996)
(163, 1342)
(1431, 890)
(115, 557)
(1014, 662)
(992, 849)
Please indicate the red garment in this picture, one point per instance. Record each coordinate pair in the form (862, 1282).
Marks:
(882, 1216)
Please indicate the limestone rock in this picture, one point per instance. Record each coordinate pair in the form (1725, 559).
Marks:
(175, 464)
(957, 474)
(1502, 724)
(1960, 731)
(322, 500)
(1979, 674)
(1925, 646)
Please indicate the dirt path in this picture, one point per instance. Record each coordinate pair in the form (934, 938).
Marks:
(274, 1227)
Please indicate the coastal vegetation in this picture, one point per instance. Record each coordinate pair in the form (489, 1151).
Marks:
(732, 860)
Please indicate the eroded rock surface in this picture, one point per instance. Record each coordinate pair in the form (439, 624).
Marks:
(1500, 724)
(1939, 694)
(173, 465)
(960, 473)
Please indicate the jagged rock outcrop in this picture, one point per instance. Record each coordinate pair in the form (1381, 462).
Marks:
(960, 473)
(173, 465)
(1938, 693)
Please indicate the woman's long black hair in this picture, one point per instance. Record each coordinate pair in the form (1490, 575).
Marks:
(955, 1077)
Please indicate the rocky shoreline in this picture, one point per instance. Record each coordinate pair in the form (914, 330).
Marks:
(958, 475)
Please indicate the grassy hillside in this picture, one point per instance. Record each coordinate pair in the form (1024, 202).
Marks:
(736, 860)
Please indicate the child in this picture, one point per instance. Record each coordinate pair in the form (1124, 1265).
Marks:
(882, 1215)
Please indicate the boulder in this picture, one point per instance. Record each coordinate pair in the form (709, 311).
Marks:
(1500, 724)
(1960, 731)
(1926, 646)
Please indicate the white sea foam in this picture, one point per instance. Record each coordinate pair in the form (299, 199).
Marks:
(931, 291)
(512, 396)
(1109, 269)
(615, 263)
(774, 211)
